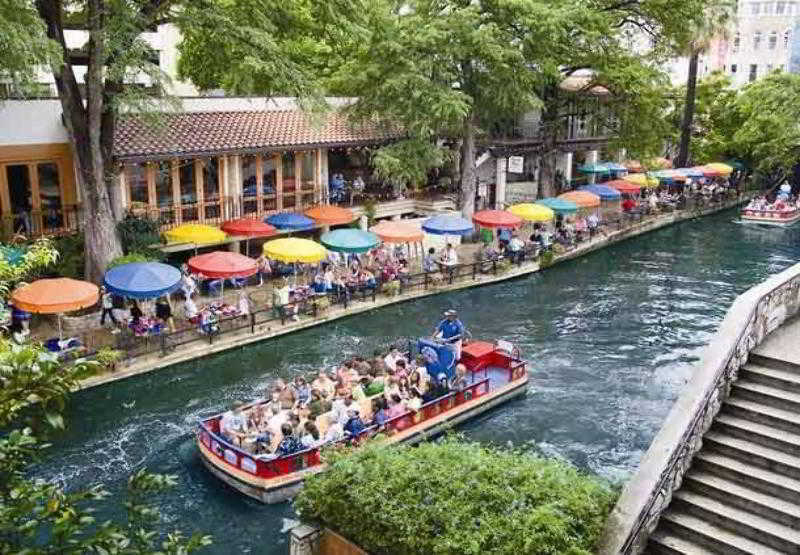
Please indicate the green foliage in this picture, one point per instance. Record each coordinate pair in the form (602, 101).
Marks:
(107, 357)
(546, 259)
(138, 233)
(37, 517)
(457, 498)
(23, 46)
(391, 162)
(71, 260)
(370, 210)
(38, 256)
(128, 258)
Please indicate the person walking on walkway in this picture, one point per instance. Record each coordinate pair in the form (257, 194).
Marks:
(108, 309)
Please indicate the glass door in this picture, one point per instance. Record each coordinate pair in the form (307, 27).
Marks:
(211, 189)
(50, 201)
(20, 192)
(249, 184)
(165, 198)
(188, 189)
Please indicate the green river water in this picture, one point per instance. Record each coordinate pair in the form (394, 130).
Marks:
(611, 339)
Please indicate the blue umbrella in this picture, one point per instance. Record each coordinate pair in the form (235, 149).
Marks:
(290, 220)
(613, 167)
(558, 205)
(690, 172)
(350, 240)
(142, 280)
(447, 224)
(603, 191)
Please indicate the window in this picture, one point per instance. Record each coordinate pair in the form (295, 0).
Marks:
(753, 72)
(736, 42)
(767, 8)
(188, 189)
(20, 189)
(249, 183)
(755, 8)
(136, 176)
(211, 197)
(50, 195)
(773, 40)
(733, 69)
(780, 8)
(288, 172)
(769, 68)
(756, 40)
(308, 168)
(787, 36)
(164, 197)
(269, 174)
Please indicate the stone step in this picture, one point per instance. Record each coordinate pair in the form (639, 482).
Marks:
(753, 453)
(775, 377)
(764, 414)
(762, 434)
(710, 536)
(662, 542)
(746, 474)
(772, 396)
(769, 362)
(737, 521)
(742, 497)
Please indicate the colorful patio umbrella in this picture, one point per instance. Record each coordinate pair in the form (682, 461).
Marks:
(614, 167)
(496, 219)
(327, 214)
(633, 165)
(625, 187)
(397, 232)
(691, 172)
(593, 168)
(735, 164)
(659, 162)
(559, 205)
(583, 199)
(290, 221)
(292, 249)
(248, 227)
(55, 296)
(641, 179)
(142, 280)
(350, 240)
(603, 191)
(723, 169)
(195, 233)
(669, 175)
(223, 264)
(708, 172)
(447, 224)
(532, 212)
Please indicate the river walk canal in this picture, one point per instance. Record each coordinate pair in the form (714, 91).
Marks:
(611, 338)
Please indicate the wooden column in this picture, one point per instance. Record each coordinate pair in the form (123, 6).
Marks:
(298, 178)
(198, 189)
(278, 157)
(152, 201)
(176, 191)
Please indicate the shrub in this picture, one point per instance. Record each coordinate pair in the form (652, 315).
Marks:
(71, 260)
(457, 498)
(391, 288)
(503, 266)
(138, 233)
(128, 258)
(546, 259)
(107, 357)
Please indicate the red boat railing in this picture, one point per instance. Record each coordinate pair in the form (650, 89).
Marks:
(770, 214)
(239, 459)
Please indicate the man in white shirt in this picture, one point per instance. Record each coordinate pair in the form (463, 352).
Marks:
(515, 245)
(340, 409)
(189, 308)
(450, 256)
(232, 425)
(391, 359)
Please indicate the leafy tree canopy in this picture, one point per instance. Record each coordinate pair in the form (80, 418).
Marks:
(457, 498)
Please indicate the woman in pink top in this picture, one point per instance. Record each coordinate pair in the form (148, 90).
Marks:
(396, 407)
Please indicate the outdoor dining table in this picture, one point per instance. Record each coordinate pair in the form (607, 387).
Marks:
(147, 326)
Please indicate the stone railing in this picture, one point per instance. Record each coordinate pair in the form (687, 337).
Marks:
(752, 316)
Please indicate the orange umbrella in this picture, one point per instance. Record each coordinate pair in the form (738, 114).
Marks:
(327, 214)
(496, 219)
(625, 187)
(397, 232)
(51, 296)
(54, 296)
(633, 165)
(583, 199)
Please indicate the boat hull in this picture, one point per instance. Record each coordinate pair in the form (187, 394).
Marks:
(282, 488)
(770, 218)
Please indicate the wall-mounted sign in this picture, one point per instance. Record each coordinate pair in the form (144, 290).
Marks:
(516, 164)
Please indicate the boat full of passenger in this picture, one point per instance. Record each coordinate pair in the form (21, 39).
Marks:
(782, 212)
(267, 448)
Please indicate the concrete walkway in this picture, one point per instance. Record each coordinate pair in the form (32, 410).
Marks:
(782, 344)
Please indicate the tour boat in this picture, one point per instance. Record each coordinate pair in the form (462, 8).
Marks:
(770, 217)
(496, 374)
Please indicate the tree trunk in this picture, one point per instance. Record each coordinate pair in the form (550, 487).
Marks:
(468, 170)
(86, 132)
(548, 161)
(688, 111)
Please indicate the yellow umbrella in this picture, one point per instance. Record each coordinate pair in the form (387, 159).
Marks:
(195, 233)
(724, 169)
(292, 249)
(532, 212)
(641, 179)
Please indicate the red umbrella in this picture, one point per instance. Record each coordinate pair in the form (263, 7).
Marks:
(625, 187)
(223, 264)
(248, 228)
(496, 219)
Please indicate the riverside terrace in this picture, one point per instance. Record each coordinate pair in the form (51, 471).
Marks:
(144, 354)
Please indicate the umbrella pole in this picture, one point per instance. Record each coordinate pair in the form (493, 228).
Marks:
(222, 289)
(60, 333)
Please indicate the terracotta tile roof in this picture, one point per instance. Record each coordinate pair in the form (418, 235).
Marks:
(204, 133)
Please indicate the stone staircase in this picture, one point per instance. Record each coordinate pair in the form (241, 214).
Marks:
(742, 492)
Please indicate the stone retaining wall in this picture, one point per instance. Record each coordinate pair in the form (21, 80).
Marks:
(752, 316)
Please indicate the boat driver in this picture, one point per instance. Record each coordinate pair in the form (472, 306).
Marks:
(451, 331)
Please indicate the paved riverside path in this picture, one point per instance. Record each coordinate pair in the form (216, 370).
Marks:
(742, 492)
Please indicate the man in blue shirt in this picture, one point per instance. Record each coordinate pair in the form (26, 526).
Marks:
(451, 331)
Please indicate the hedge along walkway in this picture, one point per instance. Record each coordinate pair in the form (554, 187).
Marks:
(201, 347)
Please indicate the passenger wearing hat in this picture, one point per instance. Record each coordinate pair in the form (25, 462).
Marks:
(451, 331)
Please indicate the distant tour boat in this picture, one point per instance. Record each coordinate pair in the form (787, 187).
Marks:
(784, 217)
(495, 374)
